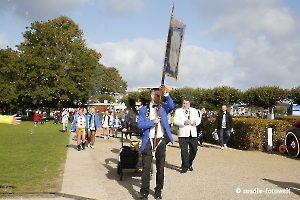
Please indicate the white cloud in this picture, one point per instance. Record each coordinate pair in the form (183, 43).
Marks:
(140, 63)
(265, 38)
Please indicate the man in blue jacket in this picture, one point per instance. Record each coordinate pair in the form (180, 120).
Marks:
(93, 123)
(147, 121)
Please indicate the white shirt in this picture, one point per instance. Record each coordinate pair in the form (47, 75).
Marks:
(152, 115)
(80, 122)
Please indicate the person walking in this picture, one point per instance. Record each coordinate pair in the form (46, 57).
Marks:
(132, 119)
(224, 124)
(187, 118)
(156, 134)
(116, 126)
(105, 125)
(36, 118)
(92, 125)
(78, 126)
(202, 125)
(44, 117)
(111, 121)
(65, 120)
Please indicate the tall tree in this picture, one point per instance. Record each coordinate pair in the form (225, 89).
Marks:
(56, 63)
(223, 96)
(264, 96)
(106, 80)
(294, 95)
(8, 79)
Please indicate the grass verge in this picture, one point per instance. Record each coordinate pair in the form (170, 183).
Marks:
(32, 158)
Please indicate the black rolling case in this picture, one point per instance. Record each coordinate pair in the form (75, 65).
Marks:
(130, 157)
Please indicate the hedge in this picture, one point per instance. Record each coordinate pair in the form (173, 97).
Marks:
(250, 133)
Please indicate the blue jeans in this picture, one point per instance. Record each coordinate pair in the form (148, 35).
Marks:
(221, 133)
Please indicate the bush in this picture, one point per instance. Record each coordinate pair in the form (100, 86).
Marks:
(250, 133)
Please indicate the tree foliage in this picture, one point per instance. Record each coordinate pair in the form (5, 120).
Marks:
(56, 62)
(224, 96)
(264, 96)
(106, 80)
(8, 78)
(213, 99)
(294, 95)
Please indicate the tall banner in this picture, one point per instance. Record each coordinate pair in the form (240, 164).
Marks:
(175, 37)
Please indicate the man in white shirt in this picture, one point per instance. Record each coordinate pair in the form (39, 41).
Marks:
(187, 118)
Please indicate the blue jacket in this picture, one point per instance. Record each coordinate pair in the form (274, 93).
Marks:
(117, 123)
(145, 124)
(73, 126)
(96, 119)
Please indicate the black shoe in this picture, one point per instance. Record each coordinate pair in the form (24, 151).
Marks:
(191, 168)
(78, 147)
(157, 196)
(183, 171)
(140, 195)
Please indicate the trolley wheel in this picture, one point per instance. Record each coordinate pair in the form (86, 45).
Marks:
(292, 142)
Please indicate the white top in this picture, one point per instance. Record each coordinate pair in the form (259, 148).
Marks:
(81, 122)
(190, 114)
(152, 115)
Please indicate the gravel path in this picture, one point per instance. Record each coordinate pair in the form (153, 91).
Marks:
(218, 174)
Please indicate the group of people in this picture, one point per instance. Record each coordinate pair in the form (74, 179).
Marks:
(153, 121)
(85, 126)
(111, 125)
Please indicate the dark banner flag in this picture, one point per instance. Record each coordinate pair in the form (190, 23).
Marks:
(175, 37)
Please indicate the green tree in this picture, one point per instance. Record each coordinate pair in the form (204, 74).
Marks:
(183, 93)
(225, 95)
(294, 95)
(9, 79)
(264, 96)
(56, 63)
(106, 80)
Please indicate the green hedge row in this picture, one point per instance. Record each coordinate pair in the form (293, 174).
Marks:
(250, 133)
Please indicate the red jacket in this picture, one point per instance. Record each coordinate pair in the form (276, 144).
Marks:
(36, 117)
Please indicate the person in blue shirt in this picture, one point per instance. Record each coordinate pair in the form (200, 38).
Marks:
(148, 120)
(93, 123)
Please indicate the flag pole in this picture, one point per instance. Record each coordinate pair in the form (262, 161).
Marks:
(167, 45)
(162, 80)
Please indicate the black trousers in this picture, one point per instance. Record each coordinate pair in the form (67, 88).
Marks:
(188, 147)
(147, 158)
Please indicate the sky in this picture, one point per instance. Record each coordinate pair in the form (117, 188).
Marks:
(235, 43)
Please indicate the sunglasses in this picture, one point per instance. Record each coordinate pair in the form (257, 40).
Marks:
(137, 105)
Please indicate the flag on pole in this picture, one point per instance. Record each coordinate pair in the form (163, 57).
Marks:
(175, 37)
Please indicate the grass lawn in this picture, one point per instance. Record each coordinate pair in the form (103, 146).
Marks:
(32, 157)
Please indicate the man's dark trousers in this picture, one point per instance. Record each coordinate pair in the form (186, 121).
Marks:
(188, 147)
(147, 162)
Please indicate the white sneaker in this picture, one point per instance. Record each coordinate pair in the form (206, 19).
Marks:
(222, 148)
(92, 147)
(88, 145)
(225, 146)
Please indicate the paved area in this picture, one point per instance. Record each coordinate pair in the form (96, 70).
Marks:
(218, 174)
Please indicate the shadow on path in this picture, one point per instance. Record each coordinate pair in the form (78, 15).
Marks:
(294, 187)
